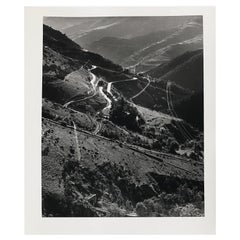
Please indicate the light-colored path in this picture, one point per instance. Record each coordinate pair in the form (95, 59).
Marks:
(141, 90)
(94, 82)
(180, 126)
(106, 110)
(76, 141)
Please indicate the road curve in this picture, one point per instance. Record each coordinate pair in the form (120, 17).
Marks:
(94, 82)
(141, 90)
(106, 110)
(109, 85)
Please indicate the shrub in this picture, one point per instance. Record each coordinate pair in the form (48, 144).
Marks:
(141, 210)
(45, 151)
(174, 146)
(188, 210)
(114, 210)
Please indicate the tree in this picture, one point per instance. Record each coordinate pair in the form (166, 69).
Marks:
(157, 145)
(141, 209)
(174, 146)
(123, 114)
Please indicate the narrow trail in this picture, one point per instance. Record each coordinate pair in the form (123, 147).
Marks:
(147, 56)
(160, 157)
(186, 131)
(76, 141)
(106, 110)
(131, 99)
(171, 112)
(79, 100)
(98, 128)
(94, 82)
(109, 85)
(181, 123)
(181, 127)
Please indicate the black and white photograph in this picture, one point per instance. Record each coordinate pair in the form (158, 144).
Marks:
(122, 116)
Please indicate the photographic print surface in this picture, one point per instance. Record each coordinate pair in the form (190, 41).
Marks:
(122, 117)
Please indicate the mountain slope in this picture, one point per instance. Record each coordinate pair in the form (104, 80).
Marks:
(187, 37)
(185, 70)
(96, 164)
(146, 41)
(131, 27)
(62, 44)
(64, 67)
(191, 109)
(117, 49)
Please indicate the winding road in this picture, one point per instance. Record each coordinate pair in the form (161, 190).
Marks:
(131, 99)
(106, 110)
(94, 82)
(159, 156)
(109, 85)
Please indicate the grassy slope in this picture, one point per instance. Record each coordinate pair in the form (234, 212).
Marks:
(62, 44)
(166, 49)
(124, 171)
(109, 46)
(109, 167)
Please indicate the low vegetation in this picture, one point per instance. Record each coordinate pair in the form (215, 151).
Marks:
(135, 162)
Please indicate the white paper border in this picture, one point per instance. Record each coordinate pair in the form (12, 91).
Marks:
(34, 223)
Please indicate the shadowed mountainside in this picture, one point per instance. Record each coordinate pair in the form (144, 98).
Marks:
(185, 70)
(117, 49)
(142, 41)
(65, 46)
(136, 162)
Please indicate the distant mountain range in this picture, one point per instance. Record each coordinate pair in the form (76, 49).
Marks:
(186, 37)
(118, 49)
(119, 143)
(133, 41)
(66, 56)
(65, 46)
(90, 29)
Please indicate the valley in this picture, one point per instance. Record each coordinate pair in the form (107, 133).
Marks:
(113, 142)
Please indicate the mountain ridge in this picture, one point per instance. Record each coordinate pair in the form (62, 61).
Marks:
(103, 153)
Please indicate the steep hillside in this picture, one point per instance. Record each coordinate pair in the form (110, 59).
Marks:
(65, 66)
(186, 37)
(65, 46)
(117, 49)
(104, 154)
(128, 27)
(191, 109)
(65, 75)
(111, 179)
(156, 39)
(75, 27)
(185, 70)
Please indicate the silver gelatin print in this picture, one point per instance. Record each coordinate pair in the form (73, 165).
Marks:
(123, 116)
